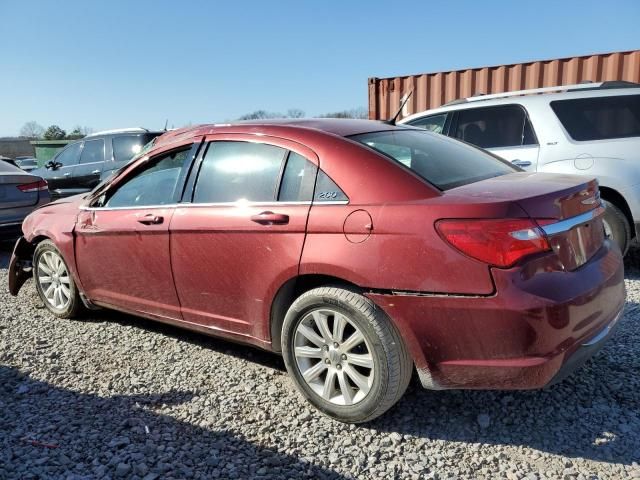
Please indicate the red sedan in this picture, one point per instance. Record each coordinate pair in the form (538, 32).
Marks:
(357, 249)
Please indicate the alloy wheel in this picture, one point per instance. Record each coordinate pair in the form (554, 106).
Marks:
(54, 280)
(333, 357)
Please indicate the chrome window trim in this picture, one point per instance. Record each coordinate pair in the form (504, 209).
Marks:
(569, 223)
(220, 204)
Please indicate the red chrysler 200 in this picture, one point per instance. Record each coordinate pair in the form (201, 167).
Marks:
(357, 249)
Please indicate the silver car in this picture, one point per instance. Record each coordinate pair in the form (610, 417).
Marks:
(591, 129)
(20, 194)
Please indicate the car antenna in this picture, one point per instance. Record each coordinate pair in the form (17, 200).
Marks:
(392, 120)
(166, 122)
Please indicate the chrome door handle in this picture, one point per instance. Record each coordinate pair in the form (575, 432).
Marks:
(95, 172)
(521, 163)
(151, 219)
(270, 218)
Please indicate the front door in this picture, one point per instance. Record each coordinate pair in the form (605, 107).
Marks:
(122, 241)
(242, 235)
(59, 177)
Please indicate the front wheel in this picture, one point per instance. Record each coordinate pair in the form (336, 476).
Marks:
(54, 283)
(616, 226)
(344, 354)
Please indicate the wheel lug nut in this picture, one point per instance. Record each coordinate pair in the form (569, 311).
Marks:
(335, 344)
(325, 348)
(344, 357)
(327, 361)
(339, 367)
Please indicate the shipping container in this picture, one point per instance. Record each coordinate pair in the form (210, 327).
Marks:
(431, 90)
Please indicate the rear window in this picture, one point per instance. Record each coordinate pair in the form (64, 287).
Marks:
(444, 162)
(125, 147)
(600, 118)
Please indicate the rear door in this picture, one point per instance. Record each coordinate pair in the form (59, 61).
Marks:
(86, 174)
(504, 130)
(241, 236)
(122, 239)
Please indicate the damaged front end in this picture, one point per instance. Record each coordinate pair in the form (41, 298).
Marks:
(20, 266)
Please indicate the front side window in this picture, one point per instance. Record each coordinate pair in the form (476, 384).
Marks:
(155, 184)
(69, 156)
(600, 118)
(92, 152)
(433, 123)
(239, 171)
(495, 127)
(441, 161)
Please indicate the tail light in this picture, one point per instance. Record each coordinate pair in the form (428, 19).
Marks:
(33, 187)
(499, 242)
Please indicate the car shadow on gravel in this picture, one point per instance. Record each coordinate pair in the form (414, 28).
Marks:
(51, 432)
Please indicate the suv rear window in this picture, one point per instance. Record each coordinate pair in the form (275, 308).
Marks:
(444, 162)
(600, 118)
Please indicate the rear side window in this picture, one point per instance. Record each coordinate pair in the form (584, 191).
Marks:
(93, 151)
(233, 171)
(441, 161)
(327, 190)
(126, 146)
(433, 123)
(495, 127)
(297, 179)
(600, 118)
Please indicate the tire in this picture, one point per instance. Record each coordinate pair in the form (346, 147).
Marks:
(617, 226)
(381, 358)
(66, 303)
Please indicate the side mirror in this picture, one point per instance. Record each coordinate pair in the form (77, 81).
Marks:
(49, 165)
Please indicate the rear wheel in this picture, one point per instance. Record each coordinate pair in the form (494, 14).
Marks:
(616, 226)
(54, 283)
(344, 354)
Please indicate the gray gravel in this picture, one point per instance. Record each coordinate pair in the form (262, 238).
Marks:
(119, 397)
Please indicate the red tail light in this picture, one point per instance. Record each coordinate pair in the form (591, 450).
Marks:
(499, 242)
(33, 187)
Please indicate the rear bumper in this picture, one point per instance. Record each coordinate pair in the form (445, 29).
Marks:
(534, 330)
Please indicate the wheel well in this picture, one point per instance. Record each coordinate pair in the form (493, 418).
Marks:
(287, 294)
(611, 195)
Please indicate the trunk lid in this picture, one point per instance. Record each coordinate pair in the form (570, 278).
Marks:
(11, 196)
(567, 207)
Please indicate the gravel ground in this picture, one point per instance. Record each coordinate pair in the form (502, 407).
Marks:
(119, 397)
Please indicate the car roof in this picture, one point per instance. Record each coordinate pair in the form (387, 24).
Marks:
(526, 99)
(287, 127)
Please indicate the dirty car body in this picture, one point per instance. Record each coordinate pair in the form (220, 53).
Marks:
(494, 278)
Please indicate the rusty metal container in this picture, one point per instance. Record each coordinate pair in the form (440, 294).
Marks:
(431, 90)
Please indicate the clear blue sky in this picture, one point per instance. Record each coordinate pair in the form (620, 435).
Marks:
(129, 63)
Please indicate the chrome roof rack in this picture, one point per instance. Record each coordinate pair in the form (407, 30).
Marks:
(559, 88)
(118, 130)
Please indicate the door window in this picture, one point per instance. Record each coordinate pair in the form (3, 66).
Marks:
(495, 127)
(601, 117)
(433, 123)
(126, 146)
(156, 184)
(69, 156)
(233, 171)
(93, 151)
(297, 180)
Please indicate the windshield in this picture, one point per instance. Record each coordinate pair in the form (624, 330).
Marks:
(443, 162)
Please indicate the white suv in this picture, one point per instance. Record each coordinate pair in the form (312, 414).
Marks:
(588, 129)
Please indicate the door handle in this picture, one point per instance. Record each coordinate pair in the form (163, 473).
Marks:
(270, 218)
(151, 219)
(95, 172)
(521, 163)
(67, 174)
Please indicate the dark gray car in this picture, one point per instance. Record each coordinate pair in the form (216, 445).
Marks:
(20, 194)
(80, 166)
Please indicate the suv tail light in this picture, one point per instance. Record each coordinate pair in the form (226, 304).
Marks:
(499, 242)
(33, 187)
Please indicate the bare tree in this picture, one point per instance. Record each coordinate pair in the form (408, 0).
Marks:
(295, 113)
(32, 129)
(359, 112)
